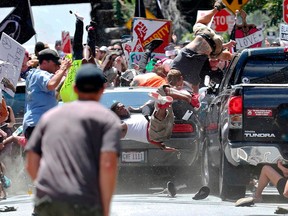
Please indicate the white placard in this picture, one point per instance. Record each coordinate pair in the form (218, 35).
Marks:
(249, 40)
(283, 35)
(11, 59)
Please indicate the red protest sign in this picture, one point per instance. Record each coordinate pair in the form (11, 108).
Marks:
(247, 35)
(145, 30)
(66, 42)
(285, 11)
(220, 21)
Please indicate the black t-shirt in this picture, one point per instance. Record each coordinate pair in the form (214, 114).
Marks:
(215, 75)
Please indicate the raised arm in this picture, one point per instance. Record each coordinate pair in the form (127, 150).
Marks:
(56, 79)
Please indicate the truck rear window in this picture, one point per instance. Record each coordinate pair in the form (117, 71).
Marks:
(266, 69)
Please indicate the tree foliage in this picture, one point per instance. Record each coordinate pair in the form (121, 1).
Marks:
(272, 8)
(267, 12)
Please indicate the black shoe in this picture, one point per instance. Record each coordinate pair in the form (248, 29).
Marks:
(219, 5)
(152, 45)
(7, 209)
(202, 193)
(171, 189)
(281, 210)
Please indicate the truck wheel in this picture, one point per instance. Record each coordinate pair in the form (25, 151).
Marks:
(228, 179)
(209, 174)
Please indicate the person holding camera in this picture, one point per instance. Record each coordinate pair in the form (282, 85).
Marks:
(109, 69)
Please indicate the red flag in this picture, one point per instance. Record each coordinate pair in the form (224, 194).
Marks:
(66, 42)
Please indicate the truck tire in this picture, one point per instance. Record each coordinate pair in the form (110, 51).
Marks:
(229, 187)
(209, 174)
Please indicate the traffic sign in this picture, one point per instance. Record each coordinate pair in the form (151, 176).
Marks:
(285, 11)
(220, 21)
(234, 5)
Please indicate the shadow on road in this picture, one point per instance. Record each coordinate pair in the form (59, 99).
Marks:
(134, 180)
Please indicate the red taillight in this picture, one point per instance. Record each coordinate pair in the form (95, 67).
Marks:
(235, 105)
(182, 128)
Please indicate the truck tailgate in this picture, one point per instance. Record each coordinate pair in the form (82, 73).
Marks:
(265, 117)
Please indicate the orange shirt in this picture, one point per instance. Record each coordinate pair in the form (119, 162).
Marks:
(154, 81)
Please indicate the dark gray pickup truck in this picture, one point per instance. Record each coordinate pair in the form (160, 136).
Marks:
(246, 123)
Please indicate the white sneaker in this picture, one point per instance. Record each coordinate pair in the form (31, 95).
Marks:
(160, 99)
(248, 201)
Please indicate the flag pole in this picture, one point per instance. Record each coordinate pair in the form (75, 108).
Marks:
(32, 19)
(139, 11)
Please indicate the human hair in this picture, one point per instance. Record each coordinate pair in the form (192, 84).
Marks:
(173, 77)
(114, 106)
(160, 71)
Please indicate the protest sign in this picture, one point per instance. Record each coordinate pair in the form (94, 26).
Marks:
(247, 35)
(11, 59)
(135, 57)
(223, 20)
(144, 31)
(252, 38)
(67, 90)
(283, 34)
(66, 42)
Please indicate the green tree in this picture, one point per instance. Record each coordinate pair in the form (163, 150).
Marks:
(272, 8)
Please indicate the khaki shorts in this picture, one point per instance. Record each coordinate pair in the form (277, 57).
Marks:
(160, 131)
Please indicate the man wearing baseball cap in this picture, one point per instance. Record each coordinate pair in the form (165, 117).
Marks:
(41, 83)
(80, 152)
(49, 54)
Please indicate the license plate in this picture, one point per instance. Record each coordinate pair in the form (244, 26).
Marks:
(133, 157)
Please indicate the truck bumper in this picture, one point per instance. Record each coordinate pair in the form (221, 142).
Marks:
(253, 155)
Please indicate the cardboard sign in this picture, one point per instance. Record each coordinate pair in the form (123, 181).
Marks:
(283, 34)
(144, 31)
(67, 91)
(11, 59)
(223, 21)
(253, 38)
(66, 42)
(135, 57)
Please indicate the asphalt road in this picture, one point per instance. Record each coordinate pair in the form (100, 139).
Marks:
(138, 194)
(160, 205)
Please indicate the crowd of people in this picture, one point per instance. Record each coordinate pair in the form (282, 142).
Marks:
(63, 182)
